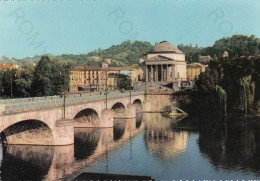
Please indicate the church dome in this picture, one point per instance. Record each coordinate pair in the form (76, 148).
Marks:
(165, 47)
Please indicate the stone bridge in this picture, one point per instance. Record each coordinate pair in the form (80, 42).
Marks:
(61, 162)
(40, 121)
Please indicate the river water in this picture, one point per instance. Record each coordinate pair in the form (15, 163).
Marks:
(150, 145)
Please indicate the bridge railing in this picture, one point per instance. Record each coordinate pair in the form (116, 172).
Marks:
(45, 102)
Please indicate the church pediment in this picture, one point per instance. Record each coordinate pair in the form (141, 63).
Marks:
(159, 58)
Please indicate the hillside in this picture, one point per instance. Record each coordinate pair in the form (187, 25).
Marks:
(236, 46)
(128, 53)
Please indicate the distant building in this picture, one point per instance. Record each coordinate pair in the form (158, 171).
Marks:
(108, 60)
(194, 70)
(225, 54)
(205, 59)
(8, 66)
(95, 58)
(239, 36)
(100, 78)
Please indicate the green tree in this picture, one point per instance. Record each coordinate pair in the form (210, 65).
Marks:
(51, 77)
(123, 81)
(23, 81)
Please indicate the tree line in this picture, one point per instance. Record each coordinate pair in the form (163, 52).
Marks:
(49, 77)
(228, 86)
(236, 46)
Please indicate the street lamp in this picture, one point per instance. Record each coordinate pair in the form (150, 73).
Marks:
(64, 98)
(130, 89)
(106, 88)
(12, 84)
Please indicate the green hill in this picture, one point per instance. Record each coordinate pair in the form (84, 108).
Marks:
(128, 53)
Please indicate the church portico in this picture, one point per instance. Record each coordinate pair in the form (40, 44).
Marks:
(160, 73)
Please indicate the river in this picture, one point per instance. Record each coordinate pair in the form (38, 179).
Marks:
(150, 145)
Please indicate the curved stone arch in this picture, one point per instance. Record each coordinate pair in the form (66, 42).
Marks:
(87, 118)
(28, 132)
(139, 105)
(119, 109)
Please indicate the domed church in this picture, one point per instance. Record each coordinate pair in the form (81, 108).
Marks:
(165, 64)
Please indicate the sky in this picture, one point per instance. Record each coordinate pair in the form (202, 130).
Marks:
(36, 27)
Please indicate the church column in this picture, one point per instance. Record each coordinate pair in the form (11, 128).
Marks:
(152, 77)
(146, 73)
(167, 73)
(161, 72)
(156, 78)
(173, 72)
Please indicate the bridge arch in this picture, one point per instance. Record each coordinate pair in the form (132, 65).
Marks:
(139, 106)
(119, 109)
(29, 132)
(87, 118)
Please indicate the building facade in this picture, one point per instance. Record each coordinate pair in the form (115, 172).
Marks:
(194, 70)
(205, 59)
(100, 78)
(165, 64)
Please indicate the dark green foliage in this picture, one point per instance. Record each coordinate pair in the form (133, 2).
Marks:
(51, 77)
(7, 86)
(24, 80)
(127, 53)
(123, 81)
(236, 46)
(239, 82)
(191, 53)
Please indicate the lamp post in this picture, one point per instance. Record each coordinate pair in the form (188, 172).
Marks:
(106, 89)
(64, 98)
(12, 84)
(11, 87)
(130, 89)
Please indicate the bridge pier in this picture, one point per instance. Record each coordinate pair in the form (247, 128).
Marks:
(107, 118)
(131, 110)
(64, 132)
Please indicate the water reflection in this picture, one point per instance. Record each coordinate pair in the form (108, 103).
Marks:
(86, 141)
(160, 139)
(21, 162)
(235, 146)
(139, 119)
(119, 128)
(26, 162)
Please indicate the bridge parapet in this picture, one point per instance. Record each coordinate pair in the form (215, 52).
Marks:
(15, 105)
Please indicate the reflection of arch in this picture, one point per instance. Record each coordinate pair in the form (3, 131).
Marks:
(119, 109)
(86, 141)
(26, 162)
(138, 104)
(139, 119)
(119, 128)
(88, 117)
(33, 132)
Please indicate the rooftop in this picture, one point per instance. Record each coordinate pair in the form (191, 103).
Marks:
(6, 66)
(91, 68)
(165, 47)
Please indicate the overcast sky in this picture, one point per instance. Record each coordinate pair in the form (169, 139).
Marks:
(59, 27)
